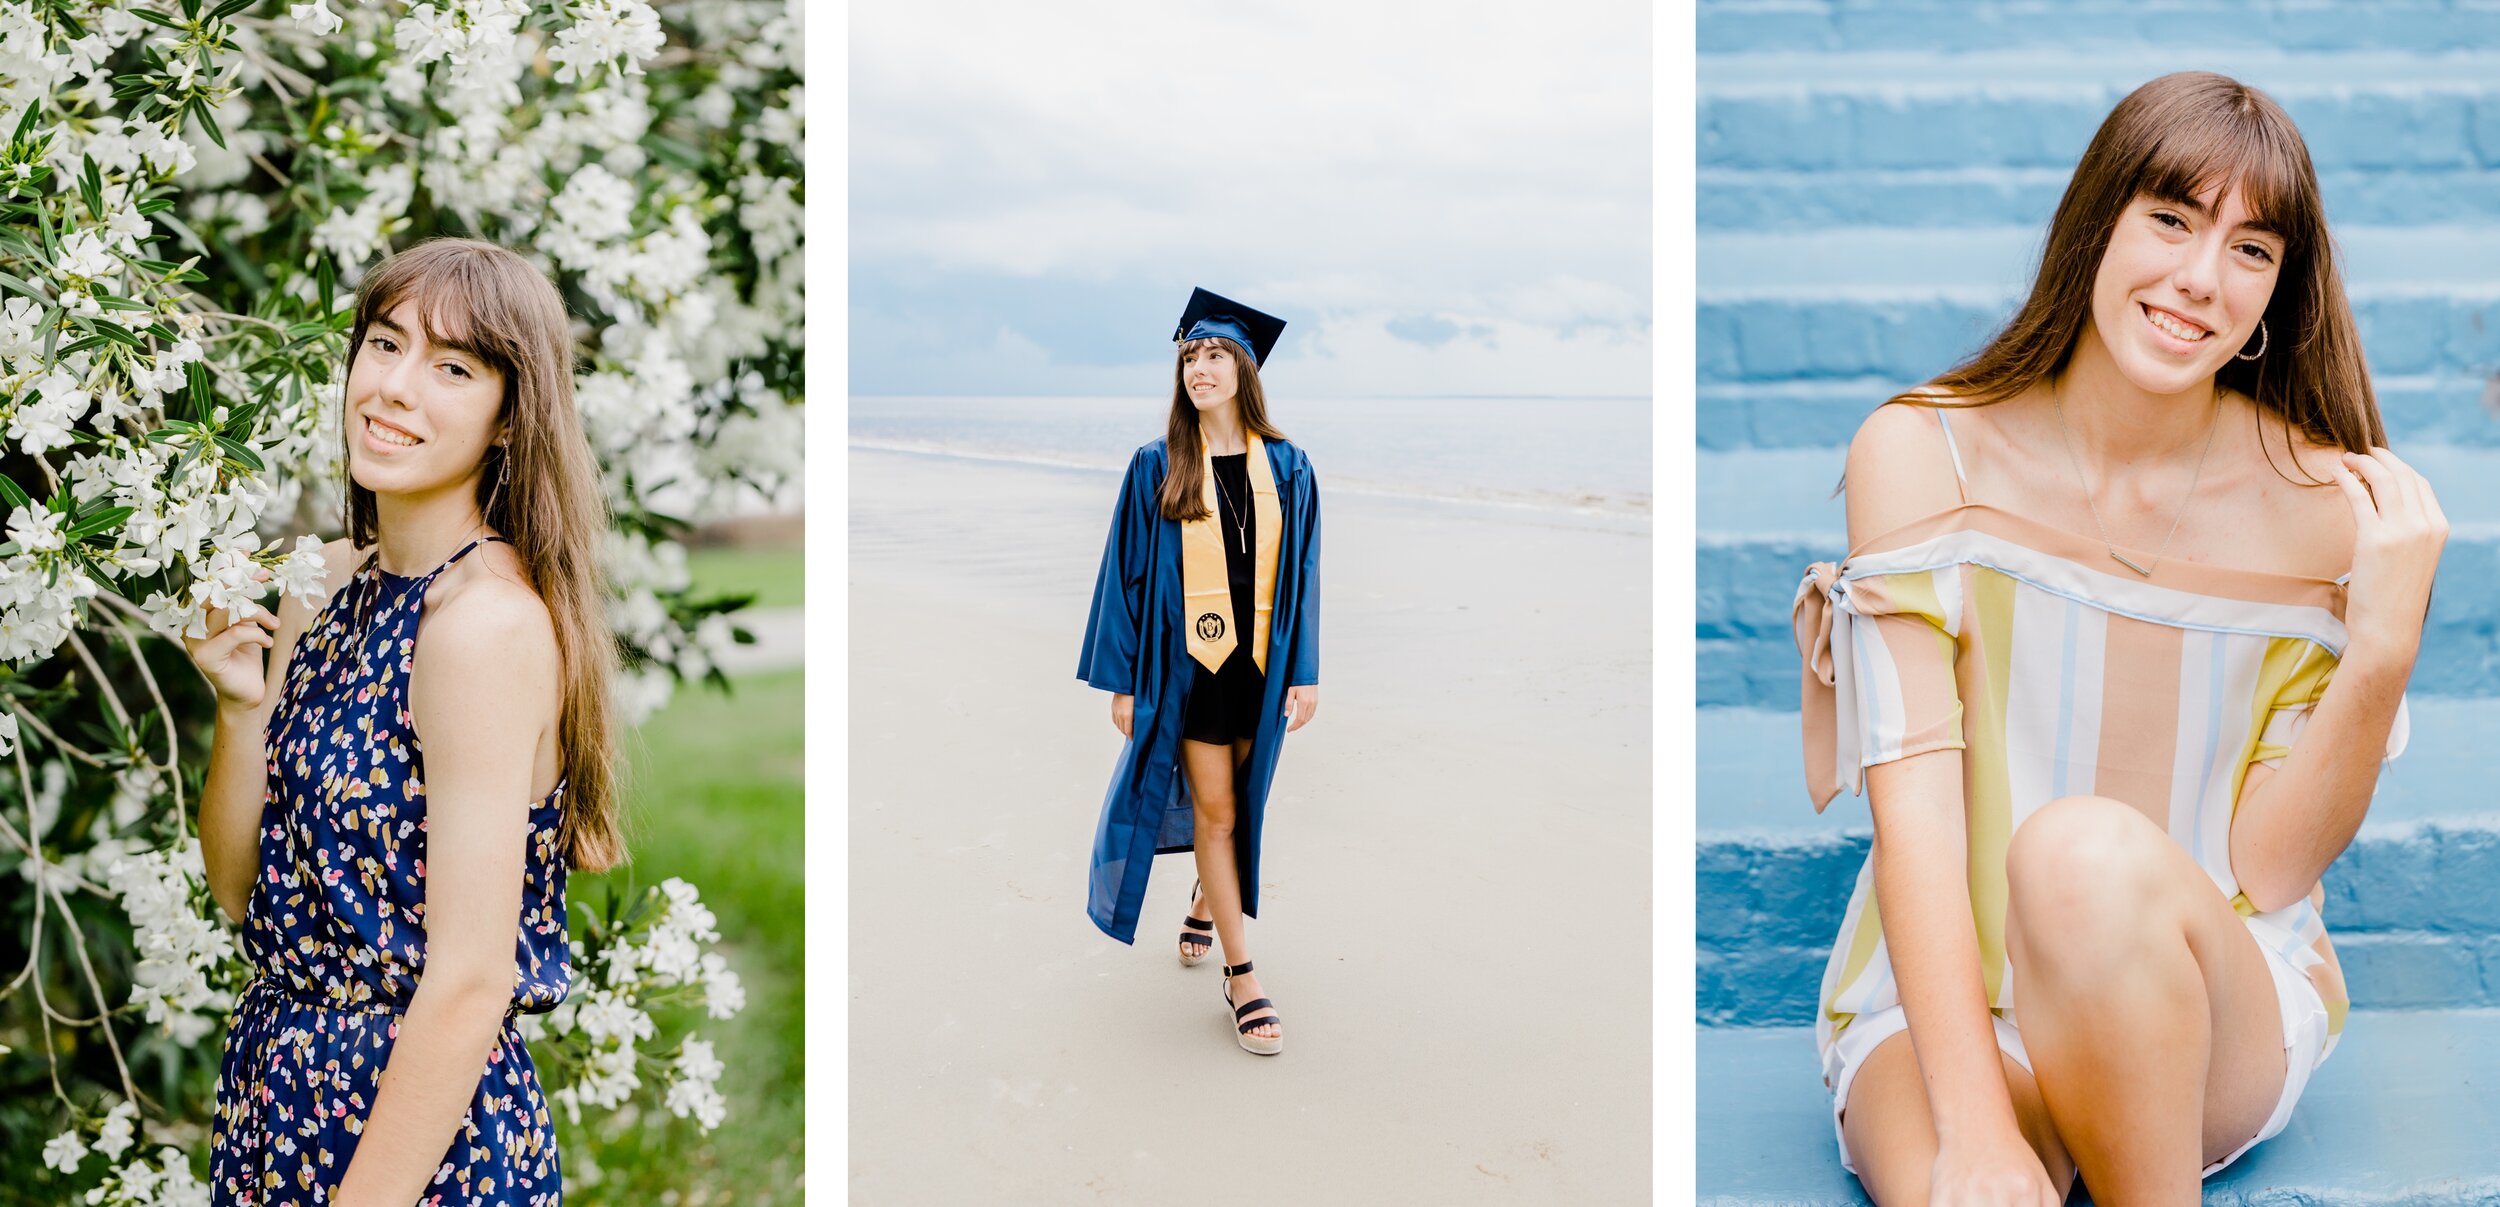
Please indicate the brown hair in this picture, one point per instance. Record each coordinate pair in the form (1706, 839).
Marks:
(487, 300)
(2172, 139)
(1184, 481)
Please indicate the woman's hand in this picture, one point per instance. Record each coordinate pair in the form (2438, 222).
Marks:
(1123, 712)
(2399, 531)
(1301, 704)
(231, 655)
(1990, 1173)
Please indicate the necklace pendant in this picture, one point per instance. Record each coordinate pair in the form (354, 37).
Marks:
(2123, 561)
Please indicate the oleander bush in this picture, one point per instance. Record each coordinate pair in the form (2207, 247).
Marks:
(189, 192)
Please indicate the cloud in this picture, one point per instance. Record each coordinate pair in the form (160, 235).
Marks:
(1350, 167)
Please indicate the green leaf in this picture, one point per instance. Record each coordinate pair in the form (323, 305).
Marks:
(115, 302)
(80, 345)
(243, 453)
(239, 421)
(208, 123)
(161, 331)
(327, 277)
(26, 124)
(230, 8)
(22, 286)
(191, 9)
(108, 518)
(91, 187)
(203, 397)
(167, 435)
(9, 490)
(156, 205)
(154, 17)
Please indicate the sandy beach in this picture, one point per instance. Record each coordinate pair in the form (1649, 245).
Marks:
(1456, 872)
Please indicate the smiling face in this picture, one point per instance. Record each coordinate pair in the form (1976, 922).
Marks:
(421, 410)
(2182, 286)
(1209, 373)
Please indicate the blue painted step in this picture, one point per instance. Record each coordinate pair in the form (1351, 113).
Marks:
(1824, 413)
(1959, 26)
(2038, 107)
(2404, 1112)
(1981, 195)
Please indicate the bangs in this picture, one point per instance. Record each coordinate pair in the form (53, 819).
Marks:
(2246, 154)
(1205, 342)
(442, 291)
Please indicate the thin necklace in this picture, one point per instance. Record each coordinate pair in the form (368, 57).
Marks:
(1240, 521)
(2056, 400)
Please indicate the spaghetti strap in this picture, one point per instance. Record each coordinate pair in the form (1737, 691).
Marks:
(1961, 481)
(464, 552)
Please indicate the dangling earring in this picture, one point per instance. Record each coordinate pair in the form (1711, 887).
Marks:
(2261, 343)
(503, 476)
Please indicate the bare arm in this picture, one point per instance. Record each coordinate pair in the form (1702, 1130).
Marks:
(1899, 471)
(236, 783)
(2292, 823)
(484, 693)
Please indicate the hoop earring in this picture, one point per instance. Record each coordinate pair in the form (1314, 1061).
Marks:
(2261, 344)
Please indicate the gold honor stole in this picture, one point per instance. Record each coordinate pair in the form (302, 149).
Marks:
(1206, 587)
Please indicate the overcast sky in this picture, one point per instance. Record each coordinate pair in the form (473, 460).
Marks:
(1442, 198)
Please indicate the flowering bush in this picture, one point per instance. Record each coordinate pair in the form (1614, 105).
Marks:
(189, 191)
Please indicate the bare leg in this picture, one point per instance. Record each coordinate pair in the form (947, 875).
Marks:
(2145, 1004)
(1210, 770)
(1892, 1135)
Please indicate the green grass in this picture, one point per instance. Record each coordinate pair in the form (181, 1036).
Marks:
(777, 576)
(715, 797)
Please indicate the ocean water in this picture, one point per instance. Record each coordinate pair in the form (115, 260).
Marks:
(1588, 455)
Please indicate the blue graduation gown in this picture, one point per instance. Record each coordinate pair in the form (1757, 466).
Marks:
(1135, 645)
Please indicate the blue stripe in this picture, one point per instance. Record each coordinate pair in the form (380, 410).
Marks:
(2066, 702)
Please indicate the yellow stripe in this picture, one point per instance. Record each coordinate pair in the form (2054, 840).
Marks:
(1861, 948)
(1987, 783)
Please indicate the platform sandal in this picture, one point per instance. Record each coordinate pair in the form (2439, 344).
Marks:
(1197, 934)
(1251, 1043)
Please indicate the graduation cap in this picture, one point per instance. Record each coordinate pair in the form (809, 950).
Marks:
(1212, 314)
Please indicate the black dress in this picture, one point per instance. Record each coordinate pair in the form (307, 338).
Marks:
(1224, 707)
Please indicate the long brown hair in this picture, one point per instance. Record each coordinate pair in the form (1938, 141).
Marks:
(489, 300)
(1184, 481)
(2172, 139)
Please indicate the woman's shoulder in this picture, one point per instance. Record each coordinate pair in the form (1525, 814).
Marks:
(1899, 469)
(486, 599)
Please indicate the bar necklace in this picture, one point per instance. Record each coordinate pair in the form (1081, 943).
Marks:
(2056, 400)
(1241, 521)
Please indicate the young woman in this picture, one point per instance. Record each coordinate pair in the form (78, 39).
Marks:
(391, 807)
(2121, 642)
(1205, 629)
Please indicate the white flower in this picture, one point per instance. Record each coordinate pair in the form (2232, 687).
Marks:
(316, 17)
(35, 529)
(8, 733)
(302, 574)
(83, 254)
(118, 1131)
(64, 1152)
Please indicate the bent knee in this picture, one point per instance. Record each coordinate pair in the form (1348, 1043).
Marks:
(2083, 852)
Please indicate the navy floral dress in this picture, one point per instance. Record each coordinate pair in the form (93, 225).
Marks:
(336, 932)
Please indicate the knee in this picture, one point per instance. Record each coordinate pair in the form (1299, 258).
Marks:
(1213, 816)
(2081, 862)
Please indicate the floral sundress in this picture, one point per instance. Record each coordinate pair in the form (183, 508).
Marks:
(336, 932)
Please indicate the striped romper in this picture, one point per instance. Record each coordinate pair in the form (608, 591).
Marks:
(2058, 673)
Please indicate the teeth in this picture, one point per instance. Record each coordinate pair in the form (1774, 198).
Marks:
(2174, 327)
(387, 436)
